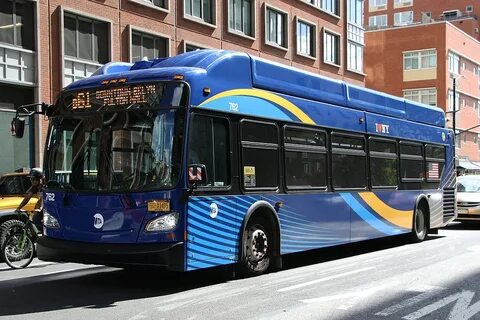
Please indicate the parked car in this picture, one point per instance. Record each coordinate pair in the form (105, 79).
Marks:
(468, 198)
(13, 187)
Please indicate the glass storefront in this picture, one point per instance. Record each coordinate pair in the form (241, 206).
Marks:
(15, 153)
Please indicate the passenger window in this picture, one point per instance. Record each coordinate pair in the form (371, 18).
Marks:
(411, 162)
(259, 155)
(305, 159)
(383, 163)
(435, 160)
(209, 145)
(348, 162)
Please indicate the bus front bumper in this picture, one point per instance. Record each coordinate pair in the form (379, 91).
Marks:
(170, 256)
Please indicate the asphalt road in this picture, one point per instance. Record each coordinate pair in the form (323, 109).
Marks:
(381, 279)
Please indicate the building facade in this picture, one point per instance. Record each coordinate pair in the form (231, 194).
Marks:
(444, 50)
(47, 44)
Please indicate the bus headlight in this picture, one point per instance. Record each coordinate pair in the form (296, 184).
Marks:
(50, 221)
(166, 222)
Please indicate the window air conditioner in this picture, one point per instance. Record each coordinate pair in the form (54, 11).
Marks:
(452, 14)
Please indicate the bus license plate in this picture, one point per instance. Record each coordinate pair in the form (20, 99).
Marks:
(159, 205)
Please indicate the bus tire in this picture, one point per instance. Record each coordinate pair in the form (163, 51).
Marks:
(419, 230)
(257, 247)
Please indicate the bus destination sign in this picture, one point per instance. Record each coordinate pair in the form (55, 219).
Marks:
(112, 97)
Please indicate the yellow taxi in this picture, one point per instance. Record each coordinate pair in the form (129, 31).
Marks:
(13, 187)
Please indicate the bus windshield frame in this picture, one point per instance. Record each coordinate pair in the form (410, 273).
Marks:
(114, 145)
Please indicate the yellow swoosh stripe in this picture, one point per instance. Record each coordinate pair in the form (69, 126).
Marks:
(267, 96)
(397, 217)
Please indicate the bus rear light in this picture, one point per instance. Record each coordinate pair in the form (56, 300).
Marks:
(178, 77)
(166, 222)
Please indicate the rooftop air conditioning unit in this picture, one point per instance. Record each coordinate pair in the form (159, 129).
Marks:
(452, 14)
(469, 9)
(477, 30)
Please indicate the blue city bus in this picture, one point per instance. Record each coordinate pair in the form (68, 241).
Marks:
(214, 157)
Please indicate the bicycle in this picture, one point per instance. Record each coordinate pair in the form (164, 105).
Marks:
(18, 249)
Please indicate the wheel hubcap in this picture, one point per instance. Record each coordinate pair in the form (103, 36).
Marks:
(258, 244)
(420, 224)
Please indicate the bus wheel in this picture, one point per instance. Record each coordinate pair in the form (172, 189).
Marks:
(419, 231)
(257, 248)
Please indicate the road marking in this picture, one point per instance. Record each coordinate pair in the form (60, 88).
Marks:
(309, 283)
(426, 293)
(461, 310)
(353, 298)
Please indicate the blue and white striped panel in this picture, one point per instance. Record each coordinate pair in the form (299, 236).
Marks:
(213, 239)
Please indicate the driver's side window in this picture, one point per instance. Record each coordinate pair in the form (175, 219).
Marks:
(208, 145)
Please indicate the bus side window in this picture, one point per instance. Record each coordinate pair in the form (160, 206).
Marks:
(208, 146)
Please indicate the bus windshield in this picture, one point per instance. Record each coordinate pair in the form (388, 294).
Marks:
(133, 148)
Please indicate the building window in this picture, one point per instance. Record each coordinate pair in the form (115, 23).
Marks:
(276, 27)
(241, 16)
(86, 38)
(145, 46)
(306, 35)
(403, 18)
(158, 3)
(201, 9)
(378, 21)
(374, 4)
(403, 3)
(16, 23)
(191, 47)
(331, 6)
(331, 48)
(355, 33)
(427, 96)
(450, 100)
(420, 60)
(453, 63)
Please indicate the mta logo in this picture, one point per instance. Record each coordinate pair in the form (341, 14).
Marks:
(382, 128)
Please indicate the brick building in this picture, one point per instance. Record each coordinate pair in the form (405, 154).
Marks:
(47, 44)
(415, 48)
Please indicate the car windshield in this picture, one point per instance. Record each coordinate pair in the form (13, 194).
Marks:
(116, 148)
(468, 185)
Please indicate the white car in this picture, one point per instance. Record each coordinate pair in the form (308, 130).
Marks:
(468, 198)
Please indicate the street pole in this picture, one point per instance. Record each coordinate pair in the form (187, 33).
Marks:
(454, 112)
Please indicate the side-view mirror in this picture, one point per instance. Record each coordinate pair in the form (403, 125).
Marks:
(197, 174)
(18, 127)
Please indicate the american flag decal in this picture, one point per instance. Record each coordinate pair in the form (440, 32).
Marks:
(433, 170)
